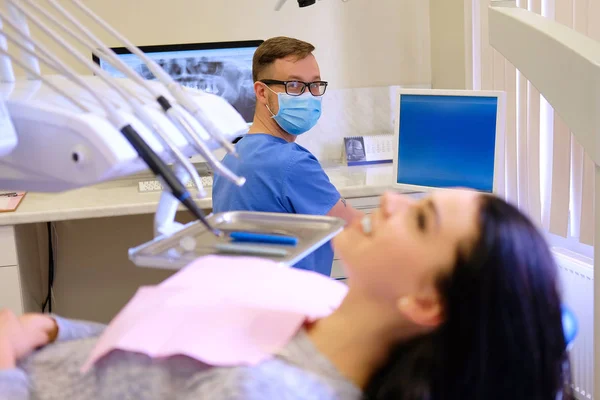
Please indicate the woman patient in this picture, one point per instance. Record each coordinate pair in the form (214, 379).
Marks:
(450, 297)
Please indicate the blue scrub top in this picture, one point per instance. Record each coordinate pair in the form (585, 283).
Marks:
(280, 177)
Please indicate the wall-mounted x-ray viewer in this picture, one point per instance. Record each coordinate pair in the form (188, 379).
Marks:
(221, 68)
(448, 139)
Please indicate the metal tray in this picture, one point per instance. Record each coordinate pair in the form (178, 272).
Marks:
(167, 251)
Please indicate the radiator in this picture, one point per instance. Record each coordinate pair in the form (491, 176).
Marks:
(577, 279)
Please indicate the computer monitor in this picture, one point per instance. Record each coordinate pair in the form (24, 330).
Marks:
(448, 139)
(222, 68)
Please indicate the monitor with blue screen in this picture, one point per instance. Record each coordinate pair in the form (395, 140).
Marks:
(448, 139)
(222, 68)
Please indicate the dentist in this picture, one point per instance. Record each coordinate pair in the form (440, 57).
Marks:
(282, 176)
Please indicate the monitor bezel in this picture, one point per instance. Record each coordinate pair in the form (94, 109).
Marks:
(499, 162)
(185, 47)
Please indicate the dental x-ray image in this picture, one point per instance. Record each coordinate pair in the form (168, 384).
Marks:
(226, 72)
(355, 149)
(228, 77)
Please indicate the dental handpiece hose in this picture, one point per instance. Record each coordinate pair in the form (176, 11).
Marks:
(161, 169)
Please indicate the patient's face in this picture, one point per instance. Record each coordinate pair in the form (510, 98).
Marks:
(410, 244)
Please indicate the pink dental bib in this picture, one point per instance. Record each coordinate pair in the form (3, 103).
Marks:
(222, 311)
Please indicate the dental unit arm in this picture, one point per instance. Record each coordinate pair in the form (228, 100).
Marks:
(65, 131)
(73, 131)
(549, 55)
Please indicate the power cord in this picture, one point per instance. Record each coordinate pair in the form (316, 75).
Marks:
(48, 301)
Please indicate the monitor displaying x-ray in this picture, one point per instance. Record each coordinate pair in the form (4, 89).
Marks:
(448, 139)
(223, 68)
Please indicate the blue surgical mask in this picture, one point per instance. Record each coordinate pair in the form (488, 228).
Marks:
(297, 114)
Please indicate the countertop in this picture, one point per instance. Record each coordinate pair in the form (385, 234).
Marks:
(121, 197)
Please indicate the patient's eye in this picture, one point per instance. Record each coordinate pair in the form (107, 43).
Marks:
(421, 220)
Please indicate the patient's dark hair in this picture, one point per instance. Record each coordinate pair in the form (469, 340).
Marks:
(502, 338)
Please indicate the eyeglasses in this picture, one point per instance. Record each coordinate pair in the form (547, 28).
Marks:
(296, 88)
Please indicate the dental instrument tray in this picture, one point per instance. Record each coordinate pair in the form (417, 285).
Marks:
(194, 240)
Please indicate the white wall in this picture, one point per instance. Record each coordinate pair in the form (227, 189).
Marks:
(360, 43)
(450, 37)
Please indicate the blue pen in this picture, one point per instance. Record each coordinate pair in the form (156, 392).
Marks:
(251, 237)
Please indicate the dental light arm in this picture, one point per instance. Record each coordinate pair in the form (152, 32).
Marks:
(549, 55)
(561, 54)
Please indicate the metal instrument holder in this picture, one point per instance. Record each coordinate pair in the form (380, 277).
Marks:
(164, 219)
(172, 251)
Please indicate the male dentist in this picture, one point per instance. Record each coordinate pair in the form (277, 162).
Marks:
(282, 176)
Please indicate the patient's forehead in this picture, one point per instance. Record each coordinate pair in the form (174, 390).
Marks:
(457, 210)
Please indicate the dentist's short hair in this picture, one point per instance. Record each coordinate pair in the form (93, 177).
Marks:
(277, 48)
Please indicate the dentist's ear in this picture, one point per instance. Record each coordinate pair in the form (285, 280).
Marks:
(260, 90)
(424, 311)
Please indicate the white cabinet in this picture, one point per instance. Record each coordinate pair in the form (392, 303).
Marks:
(8, 250)
(365, 203)
(10, 289)
(10, 281)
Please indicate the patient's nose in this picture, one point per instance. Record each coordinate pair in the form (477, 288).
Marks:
(393, 202)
